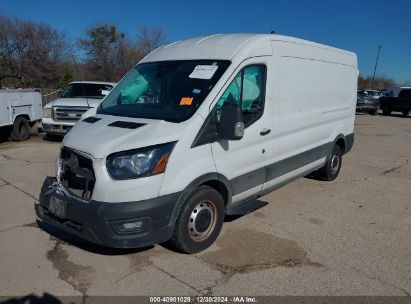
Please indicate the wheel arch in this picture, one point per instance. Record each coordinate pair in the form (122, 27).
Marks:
(214, 180)
(25, 115)
(341, 142)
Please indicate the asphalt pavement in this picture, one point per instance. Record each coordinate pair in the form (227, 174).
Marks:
(346, 237)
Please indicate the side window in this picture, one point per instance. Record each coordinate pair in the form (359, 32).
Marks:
(247, 90)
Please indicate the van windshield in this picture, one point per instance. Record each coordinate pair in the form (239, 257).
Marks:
(166, 90)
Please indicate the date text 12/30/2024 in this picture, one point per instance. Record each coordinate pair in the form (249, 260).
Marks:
(205, 299)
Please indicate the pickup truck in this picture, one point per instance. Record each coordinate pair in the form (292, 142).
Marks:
(368, 101)
(60, 115)
(402, 103)
(20, 109)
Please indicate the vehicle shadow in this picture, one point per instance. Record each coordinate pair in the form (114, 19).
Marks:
(52, 138)
(399, 115)
(4, 134)
(3, 138)
(85, 245)
(46, 298)
(6, 131)
(312, 176)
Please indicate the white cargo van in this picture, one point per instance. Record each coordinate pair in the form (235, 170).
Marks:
(20, 109)
(198, 130)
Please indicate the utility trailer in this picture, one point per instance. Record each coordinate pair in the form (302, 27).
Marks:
(20, 109)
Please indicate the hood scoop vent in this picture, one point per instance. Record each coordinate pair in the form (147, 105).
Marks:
(91, 119)
(126, 124)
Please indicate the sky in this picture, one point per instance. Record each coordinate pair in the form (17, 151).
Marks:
(359, 26)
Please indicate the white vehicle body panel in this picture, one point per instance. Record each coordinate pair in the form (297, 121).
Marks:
(20, 102)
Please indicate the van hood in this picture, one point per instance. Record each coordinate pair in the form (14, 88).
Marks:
(74, 102)
(99, 140)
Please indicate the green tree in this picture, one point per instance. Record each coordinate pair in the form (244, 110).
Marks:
(109, 55)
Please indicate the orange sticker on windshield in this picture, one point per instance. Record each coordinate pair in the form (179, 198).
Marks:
(186, 101)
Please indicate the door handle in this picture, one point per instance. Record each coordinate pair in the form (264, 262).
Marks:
(265, 132)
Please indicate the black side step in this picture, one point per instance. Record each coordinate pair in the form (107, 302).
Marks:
(248, 206)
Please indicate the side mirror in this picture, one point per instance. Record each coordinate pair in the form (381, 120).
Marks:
(231, 124)
(59, 92)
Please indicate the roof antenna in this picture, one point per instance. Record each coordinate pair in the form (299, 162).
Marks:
(272, 32)
(81, 81)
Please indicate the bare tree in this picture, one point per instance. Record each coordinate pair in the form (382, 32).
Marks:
(380, 83)
(36, 55)
(31, 54)
(150, 39)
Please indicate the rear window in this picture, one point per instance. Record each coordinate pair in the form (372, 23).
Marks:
(405, 93)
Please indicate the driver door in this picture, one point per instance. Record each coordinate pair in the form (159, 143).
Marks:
(243, 162)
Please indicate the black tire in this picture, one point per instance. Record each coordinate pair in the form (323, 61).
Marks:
(332, 166)
(405, 112)
(386, 111)
(21, 129)
(196, 228)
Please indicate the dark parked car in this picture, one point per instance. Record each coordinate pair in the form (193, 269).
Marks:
(367, 103)
(402, 103)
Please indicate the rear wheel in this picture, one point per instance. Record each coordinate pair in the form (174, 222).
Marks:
(405, 112)
(332, 166)
(21, 129)
(199, 221)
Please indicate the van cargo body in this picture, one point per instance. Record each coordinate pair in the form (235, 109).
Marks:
(20, 109)
(198, 130)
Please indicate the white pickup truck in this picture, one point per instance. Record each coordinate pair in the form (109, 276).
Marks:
(19, 110)
(60, 115)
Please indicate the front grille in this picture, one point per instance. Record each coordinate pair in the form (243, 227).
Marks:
(77, 174)
(69, 113)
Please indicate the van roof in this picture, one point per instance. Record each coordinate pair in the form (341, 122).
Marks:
(227, 46)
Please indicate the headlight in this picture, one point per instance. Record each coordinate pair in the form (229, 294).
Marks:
(48, 112)
(139, 163)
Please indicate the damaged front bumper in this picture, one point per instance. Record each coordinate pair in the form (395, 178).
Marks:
(118, 225)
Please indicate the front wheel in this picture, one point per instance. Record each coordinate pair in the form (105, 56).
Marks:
(332, 166)
(199, 221)
(21, 129)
